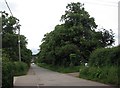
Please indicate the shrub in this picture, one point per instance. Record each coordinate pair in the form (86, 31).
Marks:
(105, 57)
(20, 68)
(7, 74)
(10, 69)
(103, 66)
(106, 74)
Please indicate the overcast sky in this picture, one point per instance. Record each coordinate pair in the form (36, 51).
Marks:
(38, 17)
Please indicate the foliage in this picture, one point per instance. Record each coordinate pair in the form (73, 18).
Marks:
(75, 15)
(11, 69)
(103, 66)
(59, 68)
(9, 23)
(10, 51)
(105, 57)
(26, 55)
(20, 68)
(107, 74)
(7, 73)
(10, 26)
(76, 35)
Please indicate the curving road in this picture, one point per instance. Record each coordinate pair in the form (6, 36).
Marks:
(38, 76)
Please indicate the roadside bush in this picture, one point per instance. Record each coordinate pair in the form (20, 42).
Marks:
(11, 69)
(20, 68)
(106, 74)
(7, 71)
(103, 66)
(105, 57)
(7, 74)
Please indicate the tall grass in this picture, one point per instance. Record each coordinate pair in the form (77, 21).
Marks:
(108, 75)
(60, 68)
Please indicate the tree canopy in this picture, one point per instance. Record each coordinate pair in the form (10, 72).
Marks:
(10, 39)
(76, 36)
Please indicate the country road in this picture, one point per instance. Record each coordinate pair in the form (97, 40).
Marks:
(38, 76)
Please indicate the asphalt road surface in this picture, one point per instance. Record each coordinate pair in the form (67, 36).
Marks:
(38, 77)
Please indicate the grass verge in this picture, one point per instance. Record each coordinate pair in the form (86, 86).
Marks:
(60, 68)
(107, 75)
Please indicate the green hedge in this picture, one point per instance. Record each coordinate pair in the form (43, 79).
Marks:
(7, 74)
(105, 56)
(11, 69)
(103, 66)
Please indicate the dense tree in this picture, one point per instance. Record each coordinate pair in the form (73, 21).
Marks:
(77, 36)
(10, 39)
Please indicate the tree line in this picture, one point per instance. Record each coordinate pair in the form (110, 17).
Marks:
(10, 39)
(72, 42)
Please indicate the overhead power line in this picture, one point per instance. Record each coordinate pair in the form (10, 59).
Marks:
(101, 3)
(8, 7)
(108, 2)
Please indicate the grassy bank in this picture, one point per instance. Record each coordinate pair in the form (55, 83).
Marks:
(107, 75)
(60, 68)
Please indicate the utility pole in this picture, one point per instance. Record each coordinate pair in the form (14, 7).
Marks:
(119, 23)
(0, 31)
(0, 49)
(19, 45)
(17, 27)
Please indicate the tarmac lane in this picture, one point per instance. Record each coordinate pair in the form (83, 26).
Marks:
(39, 77)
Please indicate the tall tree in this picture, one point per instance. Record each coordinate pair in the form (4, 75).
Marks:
(10, 39)
(76, 36)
